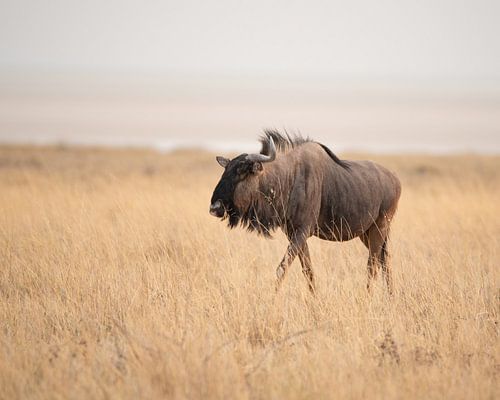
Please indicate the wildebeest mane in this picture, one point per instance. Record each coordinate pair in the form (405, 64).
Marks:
(284, 142)
(332, 155)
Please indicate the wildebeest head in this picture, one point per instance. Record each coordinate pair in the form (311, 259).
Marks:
(241, 170)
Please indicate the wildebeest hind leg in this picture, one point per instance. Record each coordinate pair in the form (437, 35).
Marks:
(305, 260)
(374, 239)
(386, 267)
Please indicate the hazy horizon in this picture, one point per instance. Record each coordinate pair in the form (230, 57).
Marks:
(385, 77)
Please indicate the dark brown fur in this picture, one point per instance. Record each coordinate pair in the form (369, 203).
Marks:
(307, 191)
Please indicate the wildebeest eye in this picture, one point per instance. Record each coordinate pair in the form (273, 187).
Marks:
(256, 167)
(248, 168)
(243, 169)
(242, 172)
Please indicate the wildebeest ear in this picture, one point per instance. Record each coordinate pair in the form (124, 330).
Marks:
(222, 161)
(256, 167)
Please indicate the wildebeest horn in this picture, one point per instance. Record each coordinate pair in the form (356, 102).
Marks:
(262, 157)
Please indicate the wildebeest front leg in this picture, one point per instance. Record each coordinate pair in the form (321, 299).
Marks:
(296, 245)
(290, 255)
(305, 260)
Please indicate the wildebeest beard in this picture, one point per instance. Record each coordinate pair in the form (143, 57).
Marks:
(233, 215)
(260, 217)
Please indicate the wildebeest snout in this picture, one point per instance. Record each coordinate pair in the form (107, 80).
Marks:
(217, 209)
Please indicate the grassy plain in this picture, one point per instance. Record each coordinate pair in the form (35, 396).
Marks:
(115, 282)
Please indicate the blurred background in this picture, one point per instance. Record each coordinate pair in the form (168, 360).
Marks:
(385, 76)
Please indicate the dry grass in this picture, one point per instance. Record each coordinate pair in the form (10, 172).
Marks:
(116, 282)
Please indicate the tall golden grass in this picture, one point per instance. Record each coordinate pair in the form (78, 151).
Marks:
(115, 282)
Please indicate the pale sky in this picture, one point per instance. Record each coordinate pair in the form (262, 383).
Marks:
(371, 75)
(407, 40)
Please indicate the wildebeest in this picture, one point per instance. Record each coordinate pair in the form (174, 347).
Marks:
(303, 188)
